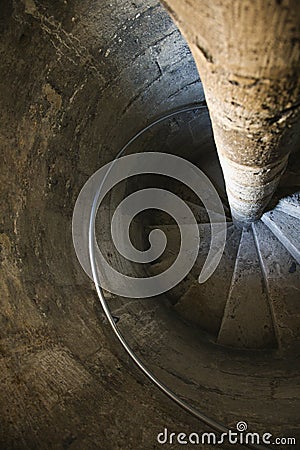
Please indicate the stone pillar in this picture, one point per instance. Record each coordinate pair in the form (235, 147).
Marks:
(247, 54)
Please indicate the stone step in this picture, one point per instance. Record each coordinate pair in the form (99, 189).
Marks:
(203, 304)
(200, 213)
(290, 205)
(171, 252)
(282, 274)
(178, 290)
(286, 228)
(247, 320)
(172, 234)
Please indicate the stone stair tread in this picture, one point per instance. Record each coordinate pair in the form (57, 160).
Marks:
(286, 228)
(282, 275)
(290, 205)
(204, 303)
(173, 236)
(178, 290)
(247, 320)
(199, 211)
(196, 207)
(171, 253)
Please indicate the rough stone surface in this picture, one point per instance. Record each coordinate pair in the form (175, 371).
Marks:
(204, 304)
(290, 205)
(247, 320)
(77, 79)
(286, 229)
(283, 284)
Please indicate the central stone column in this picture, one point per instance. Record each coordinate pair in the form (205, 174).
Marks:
(247, 54)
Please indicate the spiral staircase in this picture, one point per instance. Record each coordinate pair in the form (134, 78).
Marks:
(78, 80)
(233, 340)
(252, 299)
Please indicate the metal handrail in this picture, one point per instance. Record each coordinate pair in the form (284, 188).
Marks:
(139, 363)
